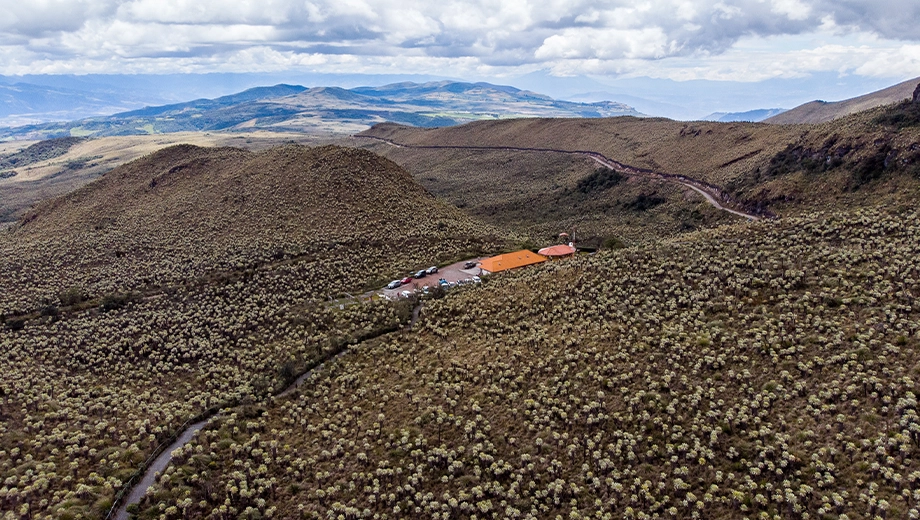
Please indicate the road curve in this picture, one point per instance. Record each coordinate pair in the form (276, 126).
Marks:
(712, 194)
(158, 465)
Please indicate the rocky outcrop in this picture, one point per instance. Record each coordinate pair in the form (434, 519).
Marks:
(917, 94)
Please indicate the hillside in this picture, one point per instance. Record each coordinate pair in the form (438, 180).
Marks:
(762, 368)
(32, 172)
(184, 212)
(540, 194)
(756, 167)
(191, 279)
(765, 370)
(823, 111)
(328, 110)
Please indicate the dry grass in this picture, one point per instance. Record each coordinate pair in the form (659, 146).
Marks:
(542, 194)
(90, 159)
(820, 111)
(732, 156)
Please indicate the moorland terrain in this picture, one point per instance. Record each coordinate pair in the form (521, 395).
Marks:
(705, 366)
(823, 111)
(522, 172)
(32, 171)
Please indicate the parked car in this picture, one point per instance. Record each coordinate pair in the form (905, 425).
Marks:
(431, 270)
(476, 279)
(421, 274)
(407, 280)
(469, 265)
(394, 284)
(442, 282)
(406, 294)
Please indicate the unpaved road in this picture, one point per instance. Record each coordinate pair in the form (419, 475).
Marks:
(603, 161)
(712, 194)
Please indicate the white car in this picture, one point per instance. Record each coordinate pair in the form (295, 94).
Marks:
(394, 284)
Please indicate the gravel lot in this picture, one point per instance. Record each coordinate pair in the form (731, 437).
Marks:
(451, 273)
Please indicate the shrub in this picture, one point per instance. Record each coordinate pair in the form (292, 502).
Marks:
(601, 179)
(72, 296)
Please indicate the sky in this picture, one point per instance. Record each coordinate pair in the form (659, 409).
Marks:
(733, 41)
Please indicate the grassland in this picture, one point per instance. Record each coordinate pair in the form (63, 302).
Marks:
(752, 370)
(760, 370)
(86, 160)
(188, 280)
(540, 194)
(731, 156)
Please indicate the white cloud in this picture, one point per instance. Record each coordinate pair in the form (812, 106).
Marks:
(672, 38)
(792, 9)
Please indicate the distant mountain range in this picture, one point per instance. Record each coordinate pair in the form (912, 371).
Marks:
(822, 111)
(26, 103)
(751, 116)
(329, 110)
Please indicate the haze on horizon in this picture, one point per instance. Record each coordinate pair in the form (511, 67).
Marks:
(562, 48)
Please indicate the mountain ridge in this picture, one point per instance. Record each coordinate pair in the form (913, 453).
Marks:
(329, 109)
(823, 111)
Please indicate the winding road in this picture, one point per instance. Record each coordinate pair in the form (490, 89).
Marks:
(713, 194)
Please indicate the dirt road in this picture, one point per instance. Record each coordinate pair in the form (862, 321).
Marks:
(712, 194)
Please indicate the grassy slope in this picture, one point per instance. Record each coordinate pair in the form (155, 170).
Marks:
(761, 370)
(90, 158)
(543, 194)
(822, 111)
(733, 156)
(712, 152)
(189, 279)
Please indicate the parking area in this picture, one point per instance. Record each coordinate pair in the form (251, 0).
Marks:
(453, 274)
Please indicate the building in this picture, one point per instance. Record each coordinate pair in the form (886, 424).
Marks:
(510, 261)
(560, 251)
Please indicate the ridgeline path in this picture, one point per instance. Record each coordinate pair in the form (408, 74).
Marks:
(713, 194)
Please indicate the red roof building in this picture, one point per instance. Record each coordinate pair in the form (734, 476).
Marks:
(560, 251)
(510, 261)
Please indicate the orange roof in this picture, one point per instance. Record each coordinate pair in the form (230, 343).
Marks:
(510, 261)
(560, 250)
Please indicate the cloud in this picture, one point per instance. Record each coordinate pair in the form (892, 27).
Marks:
(566, 36)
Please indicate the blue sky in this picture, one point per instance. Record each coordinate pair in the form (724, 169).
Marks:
(740, 42)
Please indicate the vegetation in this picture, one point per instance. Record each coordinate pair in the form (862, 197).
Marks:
(53, 168)
(759, 167)
(37, 152)
(132, 306)
(603, 178)
(540, 194)
(755, 370)
(763, 370)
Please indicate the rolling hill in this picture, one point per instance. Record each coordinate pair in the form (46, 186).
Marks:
(329, 110)
(183, 212)
(758, 369)
(823, 111)
(752, 116)
(862, 158)
(188, 280)
(34, 171)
